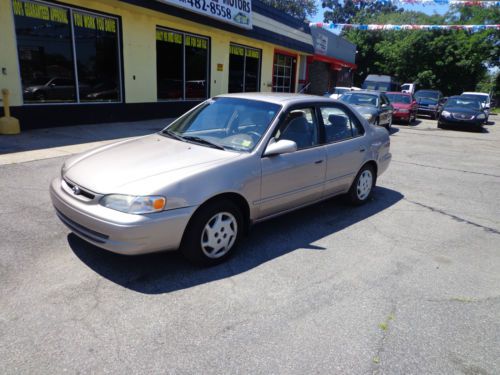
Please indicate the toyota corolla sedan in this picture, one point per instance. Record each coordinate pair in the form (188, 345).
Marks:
(228, 163)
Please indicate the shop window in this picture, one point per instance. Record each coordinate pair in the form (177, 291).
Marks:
(66, 55)
(284, 73)
(181, 65)
(244, 69)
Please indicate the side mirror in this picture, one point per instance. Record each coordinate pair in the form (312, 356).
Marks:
(283, 146)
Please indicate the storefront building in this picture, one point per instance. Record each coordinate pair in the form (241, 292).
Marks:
(75, 61)
(332, 63)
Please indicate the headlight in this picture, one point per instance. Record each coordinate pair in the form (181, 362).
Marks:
(481, 116)
(133, 205)
(368, 116)
(445, 114)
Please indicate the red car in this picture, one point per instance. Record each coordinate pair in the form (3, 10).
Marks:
(405, 106)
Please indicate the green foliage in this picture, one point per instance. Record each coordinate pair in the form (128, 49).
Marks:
(450, 60)
(296, 8)
(354, 12)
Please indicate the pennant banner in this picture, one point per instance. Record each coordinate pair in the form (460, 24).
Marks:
(483, 4)
(348, 26)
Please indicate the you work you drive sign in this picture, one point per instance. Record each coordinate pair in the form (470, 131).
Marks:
(235, 12)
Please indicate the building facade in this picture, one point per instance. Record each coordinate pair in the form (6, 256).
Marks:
(87, 61)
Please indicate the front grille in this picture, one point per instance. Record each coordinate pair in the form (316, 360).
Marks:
(81, 191)
(462, 116)
(81, 230)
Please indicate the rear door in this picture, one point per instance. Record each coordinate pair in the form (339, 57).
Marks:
(346, 147)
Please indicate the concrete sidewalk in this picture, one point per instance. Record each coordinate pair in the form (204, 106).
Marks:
(54, 142)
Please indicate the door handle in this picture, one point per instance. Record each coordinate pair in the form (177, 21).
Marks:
(318, 162)
(362, 149)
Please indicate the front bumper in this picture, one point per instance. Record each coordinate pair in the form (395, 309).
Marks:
(397, 116)
(116, 231)
(427, 110)
(448, 121)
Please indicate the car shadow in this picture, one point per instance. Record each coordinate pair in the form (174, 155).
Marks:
(169, 271)
(468, 129)
(393, 130)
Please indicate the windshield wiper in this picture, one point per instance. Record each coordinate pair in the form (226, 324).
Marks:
(171, 134)
(203, 141)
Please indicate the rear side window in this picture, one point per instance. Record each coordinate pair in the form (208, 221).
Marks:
(340, 124)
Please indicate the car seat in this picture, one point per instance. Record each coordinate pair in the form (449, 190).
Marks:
(299, 130)
(339, 128)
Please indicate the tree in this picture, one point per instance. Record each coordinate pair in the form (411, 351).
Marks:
(352, 12)
(297, 8)
(450, 60)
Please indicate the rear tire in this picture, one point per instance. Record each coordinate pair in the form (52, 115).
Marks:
(362, 186)
(213, 233)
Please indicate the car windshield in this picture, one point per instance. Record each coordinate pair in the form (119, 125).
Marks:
(464, 103)
(427, 94)
(226, 123)
(367, 100)
(378, 86)
(482, 98)
(399, 98)
(340, 91)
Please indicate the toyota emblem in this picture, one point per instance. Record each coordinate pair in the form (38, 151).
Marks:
(76, 190)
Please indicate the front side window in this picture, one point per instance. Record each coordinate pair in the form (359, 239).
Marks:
(66, 55)
(339, 124)
(244, 69)
(181, 65)
(300, 126)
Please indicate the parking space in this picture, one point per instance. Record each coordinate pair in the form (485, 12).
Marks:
(408, 283)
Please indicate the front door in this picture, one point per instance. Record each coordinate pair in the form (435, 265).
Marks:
(297, 178)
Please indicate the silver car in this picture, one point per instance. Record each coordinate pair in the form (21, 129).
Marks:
(228, 163)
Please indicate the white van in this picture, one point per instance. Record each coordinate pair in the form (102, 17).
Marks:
(484, 98)
(408, 88)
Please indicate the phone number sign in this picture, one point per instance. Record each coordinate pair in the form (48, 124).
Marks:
(235, 12)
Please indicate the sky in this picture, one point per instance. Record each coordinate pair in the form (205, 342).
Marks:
(428, 9)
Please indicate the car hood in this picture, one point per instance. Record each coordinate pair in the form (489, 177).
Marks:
(34, 88)
(467, 111)
(363, 109)
(401, 105)
(427, 101)
(110, 168)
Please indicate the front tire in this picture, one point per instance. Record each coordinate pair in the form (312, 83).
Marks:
(362, 186)
(213, 233)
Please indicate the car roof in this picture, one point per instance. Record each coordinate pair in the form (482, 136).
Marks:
(398, 92)
(474, 93)
(278, 98)
(371, 92)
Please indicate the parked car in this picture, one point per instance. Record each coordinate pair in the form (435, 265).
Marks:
(337, 92)
(429, 102)
(405, 106)
(380, 82)
(484, 98)
(231, 161)
(373, 106)
(408, 88)
(46, 89)
(462, 111)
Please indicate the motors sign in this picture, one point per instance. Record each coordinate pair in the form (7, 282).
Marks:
(235, 12)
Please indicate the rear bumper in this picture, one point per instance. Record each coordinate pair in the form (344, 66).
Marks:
(120, 232)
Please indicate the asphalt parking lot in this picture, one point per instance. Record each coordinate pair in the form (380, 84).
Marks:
(407, 284)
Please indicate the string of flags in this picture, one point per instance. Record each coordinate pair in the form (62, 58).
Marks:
(477, 3)
(377, 27)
